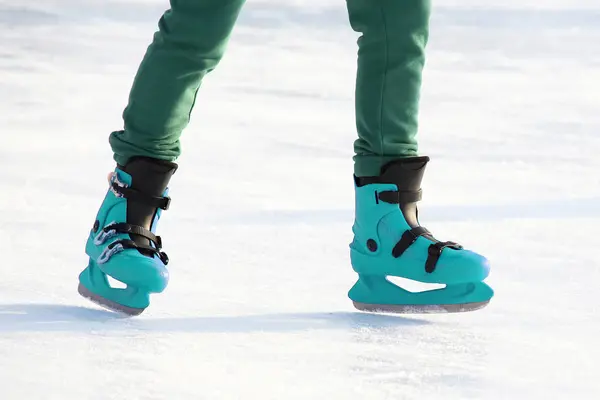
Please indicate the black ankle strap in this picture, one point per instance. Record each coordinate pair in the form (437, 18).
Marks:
(137, 196)
(408, 238)
(399, 197)
(123, 227)
(130, 244)
(434, 251)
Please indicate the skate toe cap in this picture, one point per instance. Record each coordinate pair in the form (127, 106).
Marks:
(463, 266)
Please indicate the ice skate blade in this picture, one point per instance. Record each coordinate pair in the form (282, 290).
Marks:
(420, 308)
(108, 304)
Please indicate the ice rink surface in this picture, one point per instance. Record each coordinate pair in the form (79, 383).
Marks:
(259, 227)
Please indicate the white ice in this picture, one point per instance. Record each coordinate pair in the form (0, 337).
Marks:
(259, 227)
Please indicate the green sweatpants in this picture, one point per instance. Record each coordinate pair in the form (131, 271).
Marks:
(192, 38)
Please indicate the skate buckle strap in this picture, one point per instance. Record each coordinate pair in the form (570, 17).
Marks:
(109, 251)
(112, 229)
(117, 246)
(408, 238)
(123, 244)
(399, 196)
(105, 234)
(435, 251)
(135, 195)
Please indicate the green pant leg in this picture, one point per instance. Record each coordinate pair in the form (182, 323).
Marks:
(190, 42)
(391, 57)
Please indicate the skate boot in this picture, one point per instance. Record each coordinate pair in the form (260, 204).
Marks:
(388, 241)
(122, 243)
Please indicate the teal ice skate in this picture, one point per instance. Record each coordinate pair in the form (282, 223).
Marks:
(389, 241)
(122, 243)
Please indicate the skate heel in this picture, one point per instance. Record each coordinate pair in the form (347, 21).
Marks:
(94, 286)
(377, 294)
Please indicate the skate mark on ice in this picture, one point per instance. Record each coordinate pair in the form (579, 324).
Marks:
(64, 318)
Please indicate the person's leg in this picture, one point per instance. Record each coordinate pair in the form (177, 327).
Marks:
(388, 239)
(190, 42)
(122, 244)
(391, 57)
